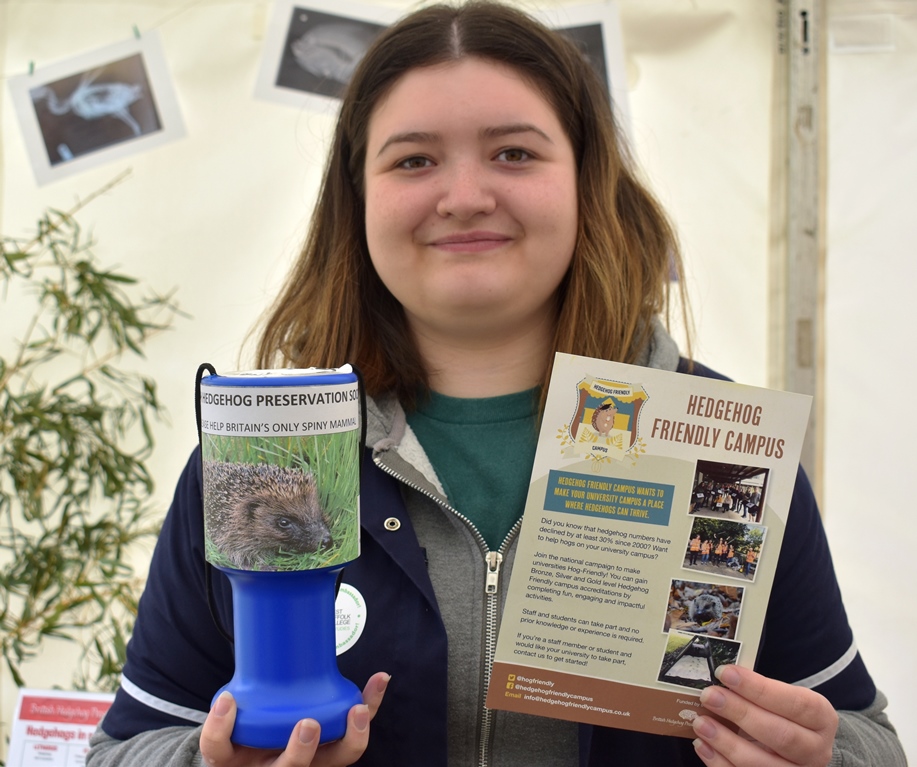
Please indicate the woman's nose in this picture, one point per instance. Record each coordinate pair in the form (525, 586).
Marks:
(466, 193)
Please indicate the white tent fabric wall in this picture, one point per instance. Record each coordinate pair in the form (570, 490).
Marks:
(220, 214)
(217, 214)
(871, 411)
(701, 80)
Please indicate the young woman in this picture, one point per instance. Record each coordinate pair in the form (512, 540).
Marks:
(719, 552)
(694, 548)
(750, 556)
(477, 214)
(705, 551)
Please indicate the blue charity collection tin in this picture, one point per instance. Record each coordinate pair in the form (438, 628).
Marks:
(281, 474)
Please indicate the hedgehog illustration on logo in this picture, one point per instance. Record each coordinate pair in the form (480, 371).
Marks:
(257, 513)
(605, 423)
(603, 418)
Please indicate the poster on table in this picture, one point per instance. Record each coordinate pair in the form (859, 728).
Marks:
(51, 728)
(648, 546)
(104, 105)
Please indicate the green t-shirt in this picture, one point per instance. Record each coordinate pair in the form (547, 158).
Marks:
(482, 450)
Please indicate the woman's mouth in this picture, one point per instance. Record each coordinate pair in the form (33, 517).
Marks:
(470, 242)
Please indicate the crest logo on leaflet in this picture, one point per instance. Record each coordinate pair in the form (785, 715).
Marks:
(604, 426)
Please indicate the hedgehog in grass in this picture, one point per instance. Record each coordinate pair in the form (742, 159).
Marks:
(256, 513)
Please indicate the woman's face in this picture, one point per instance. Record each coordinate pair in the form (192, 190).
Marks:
(471, 199)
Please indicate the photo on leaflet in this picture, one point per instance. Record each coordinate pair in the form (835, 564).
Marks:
(703, 609)
(691, 661)
(729, 491)
(718, 548)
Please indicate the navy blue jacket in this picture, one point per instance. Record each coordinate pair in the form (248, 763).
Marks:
(178, 657)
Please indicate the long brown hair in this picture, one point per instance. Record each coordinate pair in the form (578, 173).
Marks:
(335, 309)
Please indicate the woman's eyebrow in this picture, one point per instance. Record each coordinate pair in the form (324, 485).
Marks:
(409, 137)
(495, 131)
(508, 130)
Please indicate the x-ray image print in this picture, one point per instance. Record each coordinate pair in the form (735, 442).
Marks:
(588, 39)
(106, 104)
(95, 109)
(322, 50)
(596, 30)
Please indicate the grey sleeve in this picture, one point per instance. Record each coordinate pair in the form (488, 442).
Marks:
(864, 739)
(168, 747)
(867, 739)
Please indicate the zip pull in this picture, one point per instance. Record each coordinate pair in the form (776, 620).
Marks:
(494, 560)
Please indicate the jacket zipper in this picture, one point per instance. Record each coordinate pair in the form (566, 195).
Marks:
(493, 561)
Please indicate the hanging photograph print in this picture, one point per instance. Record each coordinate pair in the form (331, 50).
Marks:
(312, 49)
(322, 50)
(596, 31)
(588, 38)
(95, 108)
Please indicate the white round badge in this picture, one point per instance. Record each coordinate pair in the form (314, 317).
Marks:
(349, 617)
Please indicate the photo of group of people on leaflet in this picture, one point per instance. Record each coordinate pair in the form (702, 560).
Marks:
(725, 542)
(720, 552)
(729, 490)
(728, 503)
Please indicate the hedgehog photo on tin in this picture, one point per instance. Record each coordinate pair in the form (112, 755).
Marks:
(259, 515)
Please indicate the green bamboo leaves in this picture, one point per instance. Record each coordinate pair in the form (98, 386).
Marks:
(74, 437)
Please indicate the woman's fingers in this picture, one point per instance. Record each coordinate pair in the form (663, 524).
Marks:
(218, 751)
(780, 723)
(353, 744)
(374, 691)
(351, 747)
(301, 746)
(302, 750)
(216, 748)
(797, 704)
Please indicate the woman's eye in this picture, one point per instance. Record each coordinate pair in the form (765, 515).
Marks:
(414, 163)
(513, 155)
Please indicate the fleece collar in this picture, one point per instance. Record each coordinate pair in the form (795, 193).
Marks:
(388, 431)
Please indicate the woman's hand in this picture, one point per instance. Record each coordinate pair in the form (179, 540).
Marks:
(779, 724)
(302, 749)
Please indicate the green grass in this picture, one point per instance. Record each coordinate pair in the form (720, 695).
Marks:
(333, 459)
